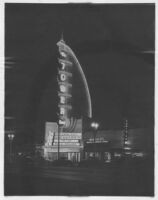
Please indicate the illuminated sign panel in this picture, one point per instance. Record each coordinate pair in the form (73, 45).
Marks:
(63, 65)
(63, 77)
(62, 88)
(62, 111)
(64, 83)
(67, 73)
(97, 140)
(71, 137)
(51, 129)
(64, 149)
(62, 122)
(50, 139)
(63, 54)
(71, 134)
(67, 144)
(62, 99)
(67, 140)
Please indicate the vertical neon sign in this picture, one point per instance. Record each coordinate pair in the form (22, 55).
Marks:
(64, 83)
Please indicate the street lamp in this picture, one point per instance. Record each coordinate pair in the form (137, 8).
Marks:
(95, 126)
(11, 137)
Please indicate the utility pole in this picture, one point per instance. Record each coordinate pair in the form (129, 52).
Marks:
(60, 129)
(125, 132)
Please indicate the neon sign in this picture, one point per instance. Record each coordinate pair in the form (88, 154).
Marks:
(64, 94)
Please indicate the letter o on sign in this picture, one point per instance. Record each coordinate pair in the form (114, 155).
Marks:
(62, 77)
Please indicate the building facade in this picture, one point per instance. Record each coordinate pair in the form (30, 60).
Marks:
(111, 144)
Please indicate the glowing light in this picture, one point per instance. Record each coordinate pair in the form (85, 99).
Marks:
(62, 122)
(63, 54)
(62, 111)
(140, 154)
(63, 65)
(127, 148)
(128, 153)
(50, 139)
(11, 136)
(117, 154)
(127, 142)
(62, 77)
(62, 99)
(94, 125)
(62, 88)
(67, 49)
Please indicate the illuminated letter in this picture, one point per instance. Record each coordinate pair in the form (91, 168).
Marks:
(62, 77)
(62, 111)
(63, 65)
(65, 48)
(62, 88)
(62, 99)
(63, 54)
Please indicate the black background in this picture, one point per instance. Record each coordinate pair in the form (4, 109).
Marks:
(114, 44)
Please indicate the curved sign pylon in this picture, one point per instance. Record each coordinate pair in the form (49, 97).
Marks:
(67, 61)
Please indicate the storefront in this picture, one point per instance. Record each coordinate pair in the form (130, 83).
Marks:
(62, 145)
(100, 150)
(72, 154)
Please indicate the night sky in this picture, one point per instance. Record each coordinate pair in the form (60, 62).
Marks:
(114, 45)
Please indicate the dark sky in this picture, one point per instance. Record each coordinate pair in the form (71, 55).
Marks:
(114, 44)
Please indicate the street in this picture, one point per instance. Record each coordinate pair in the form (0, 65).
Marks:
(115, 180)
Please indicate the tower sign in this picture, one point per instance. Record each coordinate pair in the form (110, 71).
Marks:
(64, 83)
(67, 138)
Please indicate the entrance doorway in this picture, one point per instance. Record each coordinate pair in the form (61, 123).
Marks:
(74, 156)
